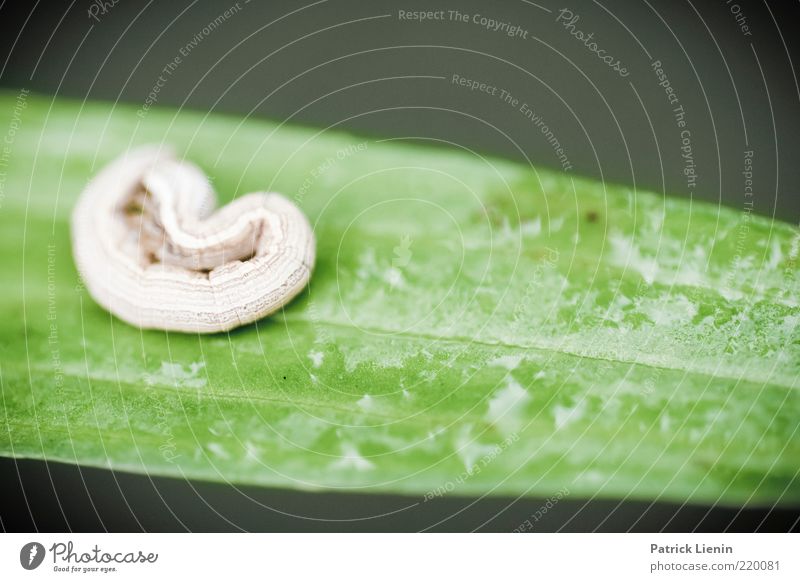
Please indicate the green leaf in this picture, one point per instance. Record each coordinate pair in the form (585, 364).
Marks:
(473, 327)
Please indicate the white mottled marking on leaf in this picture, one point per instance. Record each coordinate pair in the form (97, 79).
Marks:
(775, 255)
(299, 429)
(791, 324)
(656, 220)
(394, 278)
(556, 223)
(668, 310)
(366, 402)
(176, 375)
(507, 407)
(432, 434)
(352, 459)
(316, 358)
(428, 375)
(509, 362)
(251, 450)
(625, 254)
(565, 415)
(468, 449)
(532, 228)
(616, 311)
(217, 450)
(378, 353)
(593, 476)
(367, 265)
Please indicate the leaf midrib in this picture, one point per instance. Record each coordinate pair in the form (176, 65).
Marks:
(292, 318)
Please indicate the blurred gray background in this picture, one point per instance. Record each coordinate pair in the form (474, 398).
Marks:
(364, 67)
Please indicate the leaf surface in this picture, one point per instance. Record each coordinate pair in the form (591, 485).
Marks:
(473, 327)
